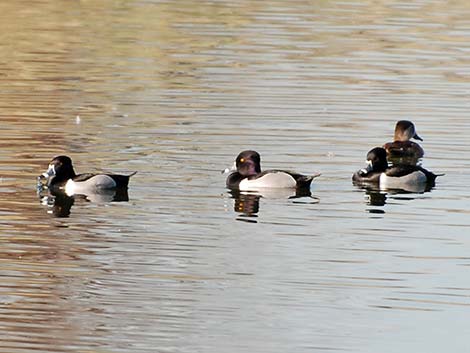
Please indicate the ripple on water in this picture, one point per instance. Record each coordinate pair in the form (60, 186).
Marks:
(175, 91)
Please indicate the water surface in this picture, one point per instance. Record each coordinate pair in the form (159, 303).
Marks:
(174, 90)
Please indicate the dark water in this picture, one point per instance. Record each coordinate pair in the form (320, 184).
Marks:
(174, 90)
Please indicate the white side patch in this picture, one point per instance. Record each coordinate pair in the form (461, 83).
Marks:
(406, 182)
(270, 180)
(92, 185)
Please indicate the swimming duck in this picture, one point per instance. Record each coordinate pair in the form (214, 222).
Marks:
(246, 175)
(402, 147)
(61, 174)
(404, 176)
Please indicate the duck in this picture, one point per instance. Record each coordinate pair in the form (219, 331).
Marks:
(246, 175)
(61, 175)
(402, 147)
(405, 176)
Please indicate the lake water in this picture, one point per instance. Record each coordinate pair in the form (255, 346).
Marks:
(175, 90)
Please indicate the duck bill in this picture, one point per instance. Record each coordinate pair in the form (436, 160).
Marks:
(49, 173)
(368, 167)
(233, 168)
(416, 137)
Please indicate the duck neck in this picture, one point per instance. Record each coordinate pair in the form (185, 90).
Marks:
(381, 166)
(62, 177)
(249, 169)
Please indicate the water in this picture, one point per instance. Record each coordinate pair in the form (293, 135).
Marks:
(175, 90)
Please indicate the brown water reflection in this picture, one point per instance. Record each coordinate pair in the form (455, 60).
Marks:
(174, 90)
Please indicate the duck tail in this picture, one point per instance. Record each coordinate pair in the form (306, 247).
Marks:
(432, 178)
(122, 181)
(316, 175)
(304, 181)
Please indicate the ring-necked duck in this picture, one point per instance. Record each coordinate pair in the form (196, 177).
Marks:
(247, 176)
(402, 146)
(61, 174)
(395, 177)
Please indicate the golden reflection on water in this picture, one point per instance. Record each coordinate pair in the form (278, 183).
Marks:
(174, 90)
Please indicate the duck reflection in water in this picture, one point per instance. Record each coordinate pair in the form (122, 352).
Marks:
(59, 203)
(378, 198)
(247, 203)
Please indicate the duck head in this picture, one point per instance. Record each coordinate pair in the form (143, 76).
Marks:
(405, 131)
(60, 169)
(376, 160)
(248, 163)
